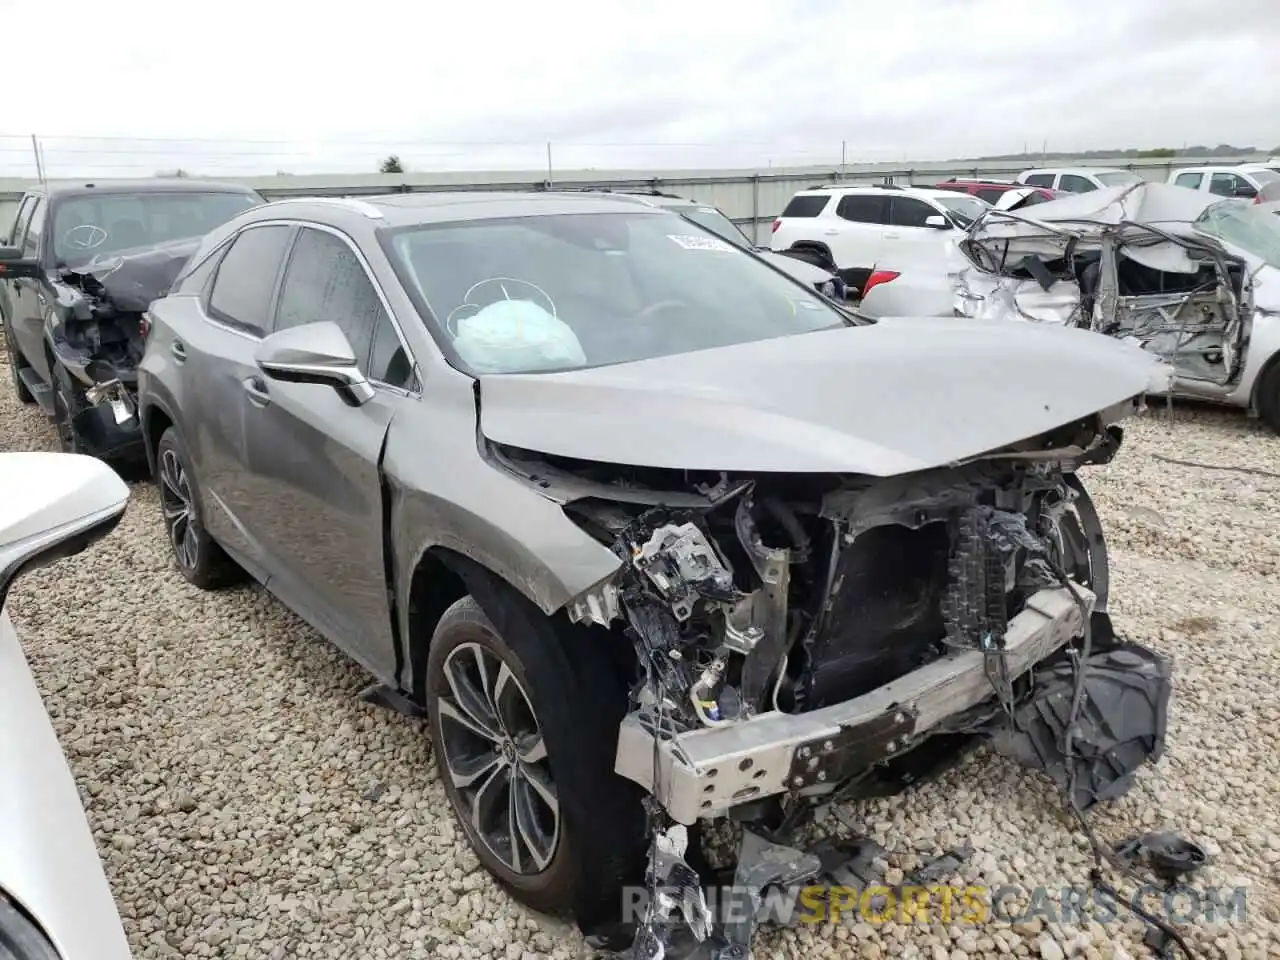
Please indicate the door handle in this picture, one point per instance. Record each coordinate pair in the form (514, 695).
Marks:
(893, 236)
(830, 233)
(256, 388)
(178, 350)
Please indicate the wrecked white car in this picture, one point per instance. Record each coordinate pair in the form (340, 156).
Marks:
(78, 269)
(1191, 277)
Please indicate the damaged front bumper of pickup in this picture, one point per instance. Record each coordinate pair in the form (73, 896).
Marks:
(97, 333)
(803, 641)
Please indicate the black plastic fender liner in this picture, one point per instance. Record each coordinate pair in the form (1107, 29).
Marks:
(1122, 723)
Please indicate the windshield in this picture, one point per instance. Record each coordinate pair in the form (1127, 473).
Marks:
(1254, 231)
(963, 210)
(1265, 176)
(88, 226)
(1118, 178)
(540, 293)
(716, 222)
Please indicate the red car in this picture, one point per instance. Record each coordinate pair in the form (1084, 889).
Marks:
(991, 190)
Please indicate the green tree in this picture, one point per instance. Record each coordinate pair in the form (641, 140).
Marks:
(391, 165)
(1162, 153)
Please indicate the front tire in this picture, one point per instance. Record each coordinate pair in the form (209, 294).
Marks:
(198, 557)
(524, 732)
(15, 367)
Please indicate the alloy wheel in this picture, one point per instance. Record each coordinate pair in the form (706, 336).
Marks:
(496, 758)
(178, 509)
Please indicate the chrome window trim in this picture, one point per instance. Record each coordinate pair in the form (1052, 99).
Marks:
(349, 203)
(368, 272)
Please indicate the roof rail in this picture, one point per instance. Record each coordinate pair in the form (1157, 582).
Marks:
(351, 203)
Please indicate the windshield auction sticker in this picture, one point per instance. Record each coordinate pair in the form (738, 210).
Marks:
(699, 243)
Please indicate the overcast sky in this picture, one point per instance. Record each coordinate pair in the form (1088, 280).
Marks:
(251, 87)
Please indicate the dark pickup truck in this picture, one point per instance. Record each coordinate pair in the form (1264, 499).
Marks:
(79, 266)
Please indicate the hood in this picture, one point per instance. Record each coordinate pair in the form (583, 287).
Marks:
(888, 398)
(49, 862)
(131, 280)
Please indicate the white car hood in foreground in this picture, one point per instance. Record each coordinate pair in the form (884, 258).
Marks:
(48, 861)
(888, 398)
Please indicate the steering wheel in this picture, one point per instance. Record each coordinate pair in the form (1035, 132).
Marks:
(661, 306)
(86, 236)
(497, 288)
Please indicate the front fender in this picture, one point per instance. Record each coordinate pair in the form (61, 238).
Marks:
(442, 493)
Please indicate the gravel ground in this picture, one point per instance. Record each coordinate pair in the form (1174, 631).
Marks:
(247, 805)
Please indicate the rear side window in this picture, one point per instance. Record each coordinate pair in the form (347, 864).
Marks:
(910, 212)
(805, 205)
(1191, 180)
(1223, 184)
(326, 281)
(1074, 183)
(246, 279)
(861, 208)
(1040, 180)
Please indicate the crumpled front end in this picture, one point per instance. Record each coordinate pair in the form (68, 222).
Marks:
(797, 635)
(1119, 271)
(801, 639)
(98, 335)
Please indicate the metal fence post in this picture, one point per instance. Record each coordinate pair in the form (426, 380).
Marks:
(755, 208)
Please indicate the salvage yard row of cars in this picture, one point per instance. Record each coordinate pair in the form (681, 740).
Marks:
(613, 501)
(1188, 270)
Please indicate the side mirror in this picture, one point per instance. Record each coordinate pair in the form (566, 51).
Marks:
(937, 221)
(316, 353)
(1245, 191)
(53, 505)
(13, 264)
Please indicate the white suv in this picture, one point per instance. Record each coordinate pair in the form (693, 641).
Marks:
(1242, 181)
(854, 231)
(1078, 179)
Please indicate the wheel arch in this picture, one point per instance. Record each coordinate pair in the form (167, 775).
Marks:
(442, 576)
(816, 246)
(155, 419)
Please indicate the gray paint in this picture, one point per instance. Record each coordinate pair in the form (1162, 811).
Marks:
(295, 492)
(892, 397)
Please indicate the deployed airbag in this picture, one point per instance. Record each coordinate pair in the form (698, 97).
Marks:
(516, 335)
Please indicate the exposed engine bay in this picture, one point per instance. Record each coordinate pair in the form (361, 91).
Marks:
(801, 639)
(1135, 274)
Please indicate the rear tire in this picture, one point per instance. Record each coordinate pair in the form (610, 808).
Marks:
(575, 704)
(198, 557)
(1268, 397)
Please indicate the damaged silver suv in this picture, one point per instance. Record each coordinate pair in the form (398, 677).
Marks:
(625, 512)
(77, 270)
